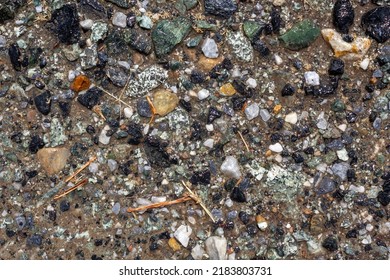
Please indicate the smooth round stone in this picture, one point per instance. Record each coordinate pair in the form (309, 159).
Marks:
(312, 78)
(203, 94)
(291, 118)
(128, 112)
(251, 83)
(86, 24)
(277, 148)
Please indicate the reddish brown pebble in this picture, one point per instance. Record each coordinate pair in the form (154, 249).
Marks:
(80, 83)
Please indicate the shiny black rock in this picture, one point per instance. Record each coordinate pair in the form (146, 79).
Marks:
(376, 22)
(343, 15)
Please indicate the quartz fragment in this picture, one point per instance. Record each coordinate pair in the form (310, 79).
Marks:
(216, 247)
(210, 48)
(182, 234)
(231, 168)
(252, 111)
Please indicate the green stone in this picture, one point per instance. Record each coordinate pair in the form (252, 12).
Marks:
(190, 4)
(338, 106)
(120, 3)
(194, 42)
(145, 22)
(251, 29)
(202, 24)
(180, 7)
(169, 33)
(301, 35)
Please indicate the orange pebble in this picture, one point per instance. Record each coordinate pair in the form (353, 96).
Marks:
(277, 109)
(80, 83)
(227, 90)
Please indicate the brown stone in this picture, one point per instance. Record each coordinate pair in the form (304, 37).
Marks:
(164, 102)
(80, 83)
(53, 160)
(206, 64)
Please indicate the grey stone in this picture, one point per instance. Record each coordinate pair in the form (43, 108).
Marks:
(340, 170)
(147, 80)
(216, 247)
(326, 185)
(210, 48)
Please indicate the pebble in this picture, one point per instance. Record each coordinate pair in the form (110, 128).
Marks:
(128, 112)
(66, 22)
(336, 67)
(350, 51)
(252, 111)
(231, 168)
(86, 24)
(340, 170)
(103, 138)
(377, 23)
(119, 19)
(251, 83)
(197, 252)
(325, 186)
(93, 167)
(301, 35)
(116, 208)
(276, 148)
(312, 78)
(364, 63)
(145, 22)
(221, 8)
(203, 94)
(53, 160)
(143, 108)
(265, 115)
(342, 154)
(343, 15)
(173, 244)
(291, 118)
(227, 90)
(209, 143)
(90, 98)
(216, 247)
(210, 48)
(182, 234)
(164, 102)
(43, 103)
(278, 59)
(3, 41)
(261, 222)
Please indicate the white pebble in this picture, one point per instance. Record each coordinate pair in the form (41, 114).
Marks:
(86, 24)
(231, 168)
(203, 94)
(251, 83)
(197, 252)
(364, 64)
(210, 127)
(342, 154)
(182, 234)
(252, 111)
(103, 138)
(119, 19)
(93, 167)
(277, 148)
(291, 118)
(210, 48)
(312, 78)
(112, 164)
(209, 143)
(278, 59)
(158, 199)
(128, 112)
(228, 202)
(265, 115)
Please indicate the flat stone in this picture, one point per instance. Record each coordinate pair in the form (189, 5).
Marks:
(210, 48)
(216, 247)
(147, 80)
(252, 111)
(164, 102)
(277, 148)
(221, 8)
(349, 51)
(301, 35)
(53, 160)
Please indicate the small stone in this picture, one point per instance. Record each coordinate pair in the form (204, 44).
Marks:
(112, 164)
(227, 89)
(210, 48)
(241, 46)
(117, 76)
(88, 58)
(203, 94)
(251, 83)
(147, 80)
(301, 35)
(291, 118)
(86, 24)
(66, 22)
(312, 78)
(164, 102)
(145, 22)
(119, 19)
(343, 15)
(330, 244)
(90, 98)
(265, 115)
(93, 167)
(336, 67)
(121, 3)
(173, 244)
(221, 8)
(340, 170)
(252, 29)
(278, 59)
(352, 51)
(261, 47)
(376, 22)
(53, 160)
(364, 63)
(252, 111)
(99, 31)
(238, 195)
(231, 168)
(326, 185)
(103, 138)
(261, 222)
(209, 143)
(276, 148)
(216, 247)
(116, 208)
(80, 83)
(64, 205)
(182, 234)
(342, 154)
(43, 102)
(143, 108)
(138, 40)
(128, 111)
(197, 252)
(213, 114)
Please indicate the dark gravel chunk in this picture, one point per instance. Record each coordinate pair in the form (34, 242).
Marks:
(221, 8)
(343, 15)
(36, 143)
(14, 55)
(384, 197)
(139, 41)
(64, 205)
(66, 21)
(237, 195)
(125, 4)
(213, 115)
(261, 47)
(135, 132)
(276, 21)
(288, 90)
(376, 22)
(326, 185)
(143, 108)
(43, 102)
(336, 67)
(330, 244)
(90, 98)
(201, 177)
(34, 240)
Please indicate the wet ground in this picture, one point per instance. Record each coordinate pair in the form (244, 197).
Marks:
(287, 173)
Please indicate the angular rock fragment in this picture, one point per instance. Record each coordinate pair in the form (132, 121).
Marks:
(216, 247)
(221, 8)
(343, 15)
(14, 55)
(90, 98)
(377, 23)
(147, 80)
(301, 35)
(43, 102)
(66, 22)
(53, 160)
(164, 102)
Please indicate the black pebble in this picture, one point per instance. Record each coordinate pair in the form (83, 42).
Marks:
(377, 23)
(65, 108)
(261, 47)
(64, 205)
(66, 21)
(135, 132)
(353, 233)
(244, 217)
(201, 177)
(288, 90)
(384, 197)
(221, 8)
(351, 117)
(330, 243)
(90, 98)
(34, 240)
(130, 19)
(237, 195)
(43, 102)
(336, 67)
(14, 55)
(143, 108)
(186, 105)
(343, 15)
(90, 129)
(276, 20)
(197, 77)
(238, 103)
(36, 143)
(213, 115)
(298, 158)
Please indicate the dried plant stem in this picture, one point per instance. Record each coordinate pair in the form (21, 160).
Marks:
(152, 108)
(186, 197)
(80, 169)
(243, 140)
(79, 184)
(113, 96)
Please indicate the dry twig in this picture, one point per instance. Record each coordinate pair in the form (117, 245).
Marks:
(71, 189)
(243, 140)
(80, 169)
